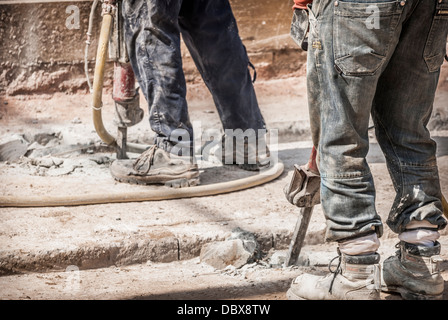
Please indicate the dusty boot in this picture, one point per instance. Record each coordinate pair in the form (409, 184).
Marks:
(414, 272)
(246, 155)
(356, 278)
(157, 166)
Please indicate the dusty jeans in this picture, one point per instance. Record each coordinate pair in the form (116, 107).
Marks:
(209, 30)
(378, 58)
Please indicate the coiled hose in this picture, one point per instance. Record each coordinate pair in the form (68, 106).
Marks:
(162, 193)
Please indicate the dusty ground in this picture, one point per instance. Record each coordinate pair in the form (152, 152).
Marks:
(149, 250)
(39, 246)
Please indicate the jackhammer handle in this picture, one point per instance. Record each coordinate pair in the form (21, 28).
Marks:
(304, 192)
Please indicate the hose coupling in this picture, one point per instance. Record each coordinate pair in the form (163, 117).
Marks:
(108, 7)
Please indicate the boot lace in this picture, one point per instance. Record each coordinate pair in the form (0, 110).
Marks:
(336, 271)
(145, 160)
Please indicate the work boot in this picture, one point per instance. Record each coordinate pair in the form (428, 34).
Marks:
(355, 278)
(414, 272)
(246, 156)
(157, 166)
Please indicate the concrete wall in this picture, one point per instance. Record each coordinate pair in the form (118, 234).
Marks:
(39, 53)
(42, 46)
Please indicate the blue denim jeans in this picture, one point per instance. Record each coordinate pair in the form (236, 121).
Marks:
(380, 59)
(209, 30)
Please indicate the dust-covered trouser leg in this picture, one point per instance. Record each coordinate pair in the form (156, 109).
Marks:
(347, 83)
(416, 214)
(153, 32)
(211, 35)
(352, 75)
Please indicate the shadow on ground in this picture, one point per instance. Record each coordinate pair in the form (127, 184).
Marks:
(248, 290)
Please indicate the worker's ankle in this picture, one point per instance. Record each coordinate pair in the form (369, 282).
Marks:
(421, 233)
(363, 245)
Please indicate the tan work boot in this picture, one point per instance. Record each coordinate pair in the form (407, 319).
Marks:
(414, 272)
(157, 166)
(356, 278)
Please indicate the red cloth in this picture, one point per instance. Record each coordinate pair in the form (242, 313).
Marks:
(301, 4)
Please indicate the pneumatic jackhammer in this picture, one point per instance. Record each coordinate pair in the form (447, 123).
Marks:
(125, 93)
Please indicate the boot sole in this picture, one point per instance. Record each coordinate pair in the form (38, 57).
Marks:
(123, 173)
(168, 182)
(290, 295)
(408, 295)
(182, 183)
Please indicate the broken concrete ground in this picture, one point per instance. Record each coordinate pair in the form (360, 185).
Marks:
(178, 227)
(152, 249)
(112, 238)
(149, 250)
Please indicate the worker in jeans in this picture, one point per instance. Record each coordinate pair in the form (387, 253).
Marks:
(380, 59)
(153, 30)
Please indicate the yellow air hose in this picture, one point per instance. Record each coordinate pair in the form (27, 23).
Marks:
(98, 79)
(162, 193)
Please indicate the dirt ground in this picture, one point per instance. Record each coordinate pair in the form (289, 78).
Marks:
(61, 124)
(149, 250)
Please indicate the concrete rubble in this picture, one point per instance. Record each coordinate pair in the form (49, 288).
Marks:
(12, 147)
(237, 250)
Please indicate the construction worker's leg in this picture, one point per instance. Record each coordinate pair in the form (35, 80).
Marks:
(210, 32)
(343, 71)
(346, 55)
(153, 42)
(402, 109)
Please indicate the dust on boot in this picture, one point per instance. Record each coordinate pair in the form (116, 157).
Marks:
(356, 277)
(157, 166)
(414, 272)
(244, 151)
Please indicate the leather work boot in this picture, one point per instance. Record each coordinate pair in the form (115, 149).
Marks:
(246, 156)
(356, 278)
(157, 166)
(414, 272)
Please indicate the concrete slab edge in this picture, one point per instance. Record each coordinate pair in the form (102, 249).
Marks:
(161, 250)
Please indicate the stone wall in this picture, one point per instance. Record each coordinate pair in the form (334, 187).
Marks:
(43, 44)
